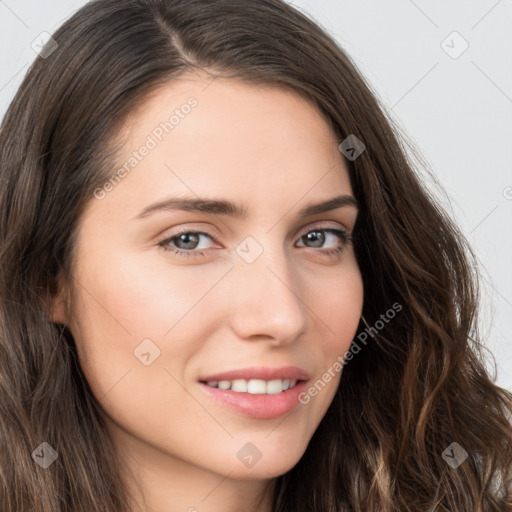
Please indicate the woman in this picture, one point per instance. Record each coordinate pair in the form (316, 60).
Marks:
(223, 286)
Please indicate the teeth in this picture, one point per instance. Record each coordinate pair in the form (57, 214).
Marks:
(254, 386)
(239, 385)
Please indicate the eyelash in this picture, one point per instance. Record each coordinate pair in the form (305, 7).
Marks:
(345, 236)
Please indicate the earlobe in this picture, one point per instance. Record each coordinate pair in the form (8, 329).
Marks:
(58, 301)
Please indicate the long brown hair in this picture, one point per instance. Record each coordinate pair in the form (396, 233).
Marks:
(416, 387)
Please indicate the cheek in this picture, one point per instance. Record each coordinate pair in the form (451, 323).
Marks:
(154, 296)
(125, 302)
(337, 303)
(138, 296)
(340, 309)
(338, 312)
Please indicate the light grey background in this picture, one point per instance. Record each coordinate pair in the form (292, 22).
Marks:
(458, 111)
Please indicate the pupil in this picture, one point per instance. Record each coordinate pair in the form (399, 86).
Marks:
(319, 239)
(187, 237)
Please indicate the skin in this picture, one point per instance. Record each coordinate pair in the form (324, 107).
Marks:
(272, 151)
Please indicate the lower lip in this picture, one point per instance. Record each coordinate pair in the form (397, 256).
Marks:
(261, 407)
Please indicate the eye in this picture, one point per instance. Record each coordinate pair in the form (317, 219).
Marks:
(318, 236)
(187, 243)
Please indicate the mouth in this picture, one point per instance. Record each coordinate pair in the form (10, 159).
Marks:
(256, 398)
(254, 386)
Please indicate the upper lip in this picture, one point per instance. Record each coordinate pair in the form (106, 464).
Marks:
(261, 372)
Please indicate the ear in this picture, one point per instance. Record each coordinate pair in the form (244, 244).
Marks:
(58, 301)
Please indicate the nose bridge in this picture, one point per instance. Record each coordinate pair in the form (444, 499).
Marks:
(268, 296)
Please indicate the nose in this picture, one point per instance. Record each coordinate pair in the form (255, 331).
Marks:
(266, 298)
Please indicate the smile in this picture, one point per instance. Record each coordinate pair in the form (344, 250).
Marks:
(254, 386)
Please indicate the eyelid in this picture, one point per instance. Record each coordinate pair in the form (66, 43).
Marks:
(174, 232)
(308, 228)
(319, 225)
(314, 225)
(180, 231)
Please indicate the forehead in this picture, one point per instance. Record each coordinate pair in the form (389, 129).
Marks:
(225, 137)
(234, 97)
(237, 117)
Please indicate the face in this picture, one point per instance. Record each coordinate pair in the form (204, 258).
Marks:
(168, 298)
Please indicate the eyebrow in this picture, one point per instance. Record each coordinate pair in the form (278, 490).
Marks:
(224, 207)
